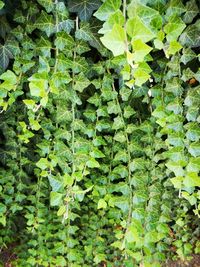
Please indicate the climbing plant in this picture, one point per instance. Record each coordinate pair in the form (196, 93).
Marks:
(99, 123)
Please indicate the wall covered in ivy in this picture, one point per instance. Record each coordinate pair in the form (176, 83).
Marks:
(99, 132)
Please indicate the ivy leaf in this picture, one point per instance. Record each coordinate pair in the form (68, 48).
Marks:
(107, 9)
(92, 163)
(64, 40)
(193, 132)
(102, 204)
(47, 4)
(45, 23)
(174, 28)
(191, 36)
(84, 9)
(43, 163)
(55, 183)
(115, 18)
(192, 11)
(55, 199)
(194, 165)
(81, 82)
(115, 40)
(140, 50)
(194, 149)
(5, 55)
(136, 29)
(188, 55)
(44, 47)
(191, 180)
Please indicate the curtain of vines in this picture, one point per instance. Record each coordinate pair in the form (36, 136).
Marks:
(99, 131)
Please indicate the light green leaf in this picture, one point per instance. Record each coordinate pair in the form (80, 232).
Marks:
(115, 40)
(174, 47)
(55, 199)
(174, 28)
(140, 50)
(194, 165)
(177, 181)
(92, 163)
(115, 18)
(107, 9)
(43, 163)
(192, 179)
(141, 76)
(45, 23)
(81, 82)
(194, 149)
(102, 204)
(118, 123)
(137, 30)
(55, 183)
(188, 55)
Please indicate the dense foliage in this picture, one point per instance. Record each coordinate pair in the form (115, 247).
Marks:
(99, 131)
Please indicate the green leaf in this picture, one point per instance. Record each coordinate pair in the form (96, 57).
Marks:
(115, 18)
(187, 56)
(137, 30)
(45, 23)
(5, 55)
(47, 4)
(118, 123)
(193, 132)
(92, 163)
(193, 165)
(107, 9)
(177, 182)
(84, 9)
(138, 164)
(190, 37)
(96, 153)
(192, 179)
(38, 87)
(115, 40)
(194, 149)
(102, 204)
(43, 163)
(64, 40)
(55, 199)
(55, 183)
(81, 82)
(140, 50)
(174, 28)
(141, 76)
(174, 47)
(191, 11)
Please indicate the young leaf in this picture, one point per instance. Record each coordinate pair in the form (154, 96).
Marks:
(115, 40)
(107, 9)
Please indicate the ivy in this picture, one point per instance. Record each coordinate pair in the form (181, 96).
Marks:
(99, 132)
